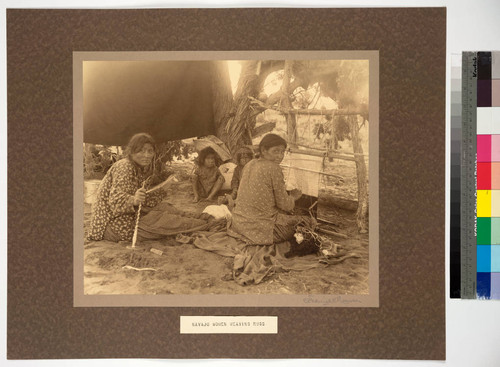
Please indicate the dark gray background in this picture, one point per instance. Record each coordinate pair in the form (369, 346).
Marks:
(410, 322)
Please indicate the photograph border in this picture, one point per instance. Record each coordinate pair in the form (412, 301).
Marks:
(233, 300)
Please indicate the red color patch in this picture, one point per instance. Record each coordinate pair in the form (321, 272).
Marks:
(484, 176)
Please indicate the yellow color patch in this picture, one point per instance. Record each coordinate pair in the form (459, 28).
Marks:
(483, 203)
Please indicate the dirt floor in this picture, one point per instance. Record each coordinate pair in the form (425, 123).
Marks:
(112, 268)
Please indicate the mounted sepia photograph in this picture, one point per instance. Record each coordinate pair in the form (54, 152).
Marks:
(226, 178)
(217, 183)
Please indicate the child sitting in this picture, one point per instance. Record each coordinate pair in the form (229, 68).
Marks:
(243, 156)
(207, 179)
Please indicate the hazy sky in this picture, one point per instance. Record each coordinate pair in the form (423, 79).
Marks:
(234, 67)
(272, 84)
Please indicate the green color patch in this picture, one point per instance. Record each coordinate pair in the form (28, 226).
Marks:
(484, 231)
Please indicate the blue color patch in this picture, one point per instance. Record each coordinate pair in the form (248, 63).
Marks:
(483, 285)
(483, 258)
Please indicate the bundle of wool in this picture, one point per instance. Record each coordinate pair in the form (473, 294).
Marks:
(218, 211)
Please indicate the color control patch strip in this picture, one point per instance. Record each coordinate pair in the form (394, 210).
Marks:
(480, 176)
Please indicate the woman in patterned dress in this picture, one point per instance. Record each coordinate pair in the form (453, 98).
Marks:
(121, 191)
(261, 215)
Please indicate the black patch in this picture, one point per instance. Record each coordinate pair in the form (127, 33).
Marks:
(306, 247)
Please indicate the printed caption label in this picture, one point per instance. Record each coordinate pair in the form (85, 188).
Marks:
(229, 325)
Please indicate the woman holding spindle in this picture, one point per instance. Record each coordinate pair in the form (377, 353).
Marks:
(122, 191)
(126, 204)
(263, 205)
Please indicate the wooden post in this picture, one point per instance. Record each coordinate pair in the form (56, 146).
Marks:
(291, 120)
(362, 213)
(330, 144)
(335, 123)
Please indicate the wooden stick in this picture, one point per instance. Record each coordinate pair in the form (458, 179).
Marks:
(319, 153)
(336, 112)
(322, 230)
(341, 156)
(327, 221)
(170, 179)
(313, 205)
(313, 171)
(315, 153)
(134, 237)
(325, 151)
(320, 112)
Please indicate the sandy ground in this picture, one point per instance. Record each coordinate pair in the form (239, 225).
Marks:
(111, 268)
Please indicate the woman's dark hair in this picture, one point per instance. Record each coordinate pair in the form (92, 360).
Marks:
(271, 140)
(204, 153)
(243, 151)
(138, 141)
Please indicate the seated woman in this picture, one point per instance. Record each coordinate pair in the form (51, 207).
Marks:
(207, 179)
(261, 212)
(122, 191)
(243, 156)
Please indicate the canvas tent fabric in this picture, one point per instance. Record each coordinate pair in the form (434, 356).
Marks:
(170, 100)
(216, 144)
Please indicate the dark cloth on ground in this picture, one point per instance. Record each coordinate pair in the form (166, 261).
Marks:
(252, 263)
(109, 235)
(166, 220)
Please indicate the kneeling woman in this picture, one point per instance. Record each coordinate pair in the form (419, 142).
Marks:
(121, 192)
(260, 215)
